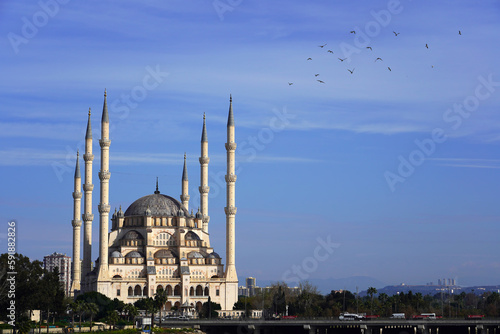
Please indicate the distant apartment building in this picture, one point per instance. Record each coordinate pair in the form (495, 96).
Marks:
(251, 289)
(63, 263)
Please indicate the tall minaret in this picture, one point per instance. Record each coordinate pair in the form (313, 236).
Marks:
(104, 175)
(77, 224)
(204, 188)
(87, 215)
(230, 208)
(185, 186)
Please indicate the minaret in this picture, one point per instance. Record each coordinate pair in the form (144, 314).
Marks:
(230, 208)
(204, 188)
(185, 186)
(77, 224)
(104, 202)
(87, 215)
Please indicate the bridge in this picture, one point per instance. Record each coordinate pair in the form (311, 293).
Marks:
(325, 326)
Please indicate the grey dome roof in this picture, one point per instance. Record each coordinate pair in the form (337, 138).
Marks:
(159, 205)
(133, 254)
(133, 235)
(195, 255)
(164, 253)
(192, 236)
(214, 255)
(116, 254)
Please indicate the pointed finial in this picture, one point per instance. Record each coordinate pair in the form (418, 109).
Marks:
(184, 170)
(88, 135)
(204, 130)
(230, 119)
(105, 117)
(77, 167)
(157, 191)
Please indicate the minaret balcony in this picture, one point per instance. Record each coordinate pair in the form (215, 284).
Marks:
(204, 160)
(77, 194)
(104, 208)
(104, 142)
(206, 219)
(185, 198)
(88, 187)
(231, 146)
(231, 211)
(76, 222)
(204, 189)
(88, 217)
(88, 157)
(231, 178)
(104, 175)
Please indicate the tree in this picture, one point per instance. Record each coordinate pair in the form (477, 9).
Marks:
(79, 308)
(209, 309)
(91, 309)
(371, 291)
(160, 299)
(131, 311)
(112, 318)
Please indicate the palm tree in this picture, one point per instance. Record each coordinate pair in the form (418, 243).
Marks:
(131, 311)
(161, 298)
(79, 308)
(91, 309)
(371, 291)
(112, 318)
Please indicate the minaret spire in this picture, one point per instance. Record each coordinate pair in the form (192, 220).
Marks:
(204, 188)
(157, 191)
(185, 186)
(87, 215)
(230, 208)
(104, 207)
(77, 224)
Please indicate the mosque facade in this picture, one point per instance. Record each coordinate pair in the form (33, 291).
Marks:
(156, 244)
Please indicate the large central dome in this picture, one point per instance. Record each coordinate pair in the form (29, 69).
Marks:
(158, 204)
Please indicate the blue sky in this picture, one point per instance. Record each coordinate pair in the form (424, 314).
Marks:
(398, 170)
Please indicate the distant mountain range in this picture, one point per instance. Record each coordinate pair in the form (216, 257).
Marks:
(326, 285)
(362, 283)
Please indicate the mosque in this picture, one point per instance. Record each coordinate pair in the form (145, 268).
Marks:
(156, 243)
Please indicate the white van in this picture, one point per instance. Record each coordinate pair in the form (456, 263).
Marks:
(398, 316)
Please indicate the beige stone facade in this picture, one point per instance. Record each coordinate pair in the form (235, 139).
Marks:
(157, 243)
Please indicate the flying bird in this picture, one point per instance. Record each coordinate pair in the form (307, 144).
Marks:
(290, 83)
(353, 32)
(369, 47)
(396, 33)
(389, 68)
(342, 59)
(330, 51)
(427, 46)
(320, 81)
(316, 75)
(322, 46)
(350, 70)
(459, 32)
(309, 59)
(379, 59)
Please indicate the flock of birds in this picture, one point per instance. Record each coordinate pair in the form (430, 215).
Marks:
(351, 71)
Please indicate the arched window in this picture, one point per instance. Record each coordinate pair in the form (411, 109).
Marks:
(137, 291)
(199, 290)
(206, 291)
(169, 290)
(130, 291)
(177, 290)
(145, 293)
(191, 291)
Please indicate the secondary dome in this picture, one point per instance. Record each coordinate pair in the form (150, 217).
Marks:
(158, 204)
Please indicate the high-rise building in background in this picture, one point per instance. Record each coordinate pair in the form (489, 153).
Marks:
(63, 263)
